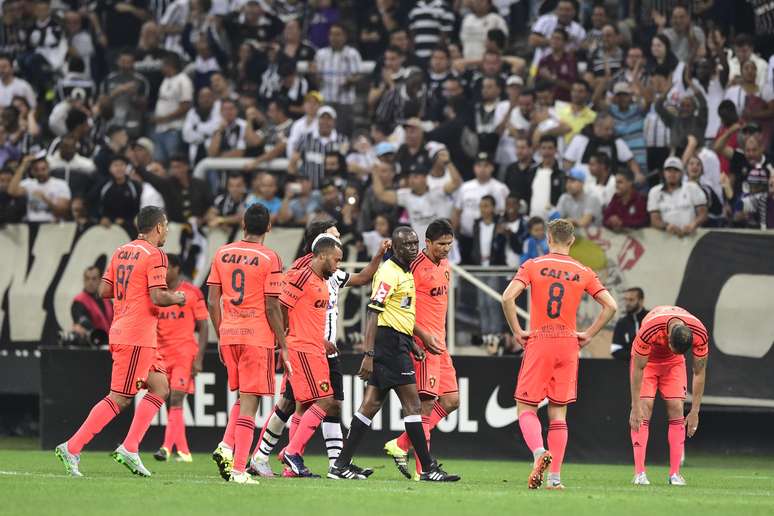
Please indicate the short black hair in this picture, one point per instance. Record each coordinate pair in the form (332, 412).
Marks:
(562, 33)
(282, 104)
(439, 228)
(681, 338)
(174, 260)
(498, 37)
(397, 232)
(583, 83)
(325, 244)
(148, 217)
(75, 118)
(489, 198)
(180, 159)
(637, 290)
(626, 173)
(395, 50)
(602, 159)
(547, 138)
(76, 64)
(315, 229)
(442, 49)
(534, 221)
(173, 60)
(727, 112)
(256, 219)
(743, 40)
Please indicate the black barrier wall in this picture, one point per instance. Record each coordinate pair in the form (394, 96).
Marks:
(484, 427)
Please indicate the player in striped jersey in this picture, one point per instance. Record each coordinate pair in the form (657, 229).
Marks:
(658, 363)
(331, 425)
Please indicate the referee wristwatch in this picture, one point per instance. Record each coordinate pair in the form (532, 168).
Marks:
(369, 353)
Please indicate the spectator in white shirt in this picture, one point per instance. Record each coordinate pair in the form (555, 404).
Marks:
(575, 205)
(11, 86)
(562, 17)
(175, 99)
(677, 206)
(306, 124)
(200, 124)
(422, 202)
(743, 52)
(475, 26)
(48, 198)
(228, 141)
(338, 70)
(466, 207)
(601, 180)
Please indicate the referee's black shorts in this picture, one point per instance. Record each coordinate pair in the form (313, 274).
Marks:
(393, 365)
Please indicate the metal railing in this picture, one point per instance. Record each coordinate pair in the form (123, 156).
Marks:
(200, 171)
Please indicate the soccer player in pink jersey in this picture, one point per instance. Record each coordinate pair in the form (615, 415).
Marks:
(136, 280)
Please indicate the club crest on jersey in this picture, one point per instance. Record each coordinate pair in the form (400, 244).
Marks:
(324, 386)
(140, 384)
(432, 381)
(446, 273)
(381, 292)
(559, 274)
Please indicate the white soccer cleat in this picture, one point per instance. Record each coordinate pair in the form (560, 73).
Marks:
(677, 480)
(70, 461)
(131, 460)
(261, 468)
(242, 478)
(641, 479)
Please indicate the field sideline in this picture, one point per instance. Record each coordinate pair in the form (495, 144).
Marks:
(33, 482)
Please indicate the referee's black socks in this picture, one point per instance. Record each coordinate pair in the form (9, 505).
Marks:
(357, 429)
(416, 435)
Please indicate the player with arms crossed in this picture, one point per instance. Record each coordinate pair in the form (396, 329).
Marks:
(387, 363)
(136, 280)
(550, 364)
(331, 425)
(436, 376)
(182, 353)
(658, 364)
(245, 283)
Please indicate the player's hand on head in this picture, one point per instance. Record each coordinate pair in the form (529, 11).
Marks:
(384, 246)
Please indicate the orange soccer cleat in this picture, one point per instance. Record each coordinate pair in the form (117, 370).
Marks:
(541, 465)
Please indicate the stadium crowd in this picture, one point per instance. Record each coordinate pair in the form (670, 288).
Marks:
(497, 114)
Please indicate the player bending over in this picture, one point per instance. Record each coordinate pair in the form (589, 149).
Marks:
(136, 279)
(246, 280)
(387, 363)
(658, 364)
(436, 376)
(182, 354)
(331, 425)
(550, 364)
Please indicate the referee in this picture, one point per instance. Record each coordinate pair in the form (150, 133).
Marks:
(387, 364)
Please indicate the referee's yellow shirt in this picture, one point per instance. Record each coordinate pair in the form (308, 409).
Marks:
(394, 297)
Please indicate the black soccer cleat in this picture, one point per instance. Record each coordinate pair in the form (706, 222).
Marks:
(436, 474)
(366, 472)
(349, 472)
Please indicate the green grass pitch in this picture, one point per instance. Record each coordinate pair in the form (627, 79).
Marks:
(33, 482)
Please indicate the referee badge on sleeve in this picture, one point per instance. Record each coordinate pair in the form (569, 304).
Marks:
(381, 292)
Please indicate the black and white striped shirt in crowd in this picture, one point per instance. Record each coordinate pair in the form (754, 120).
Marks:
(334, 67)
(313, 148)
(764, 16)
(157, 8)
(429, 20)
(233, 137)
